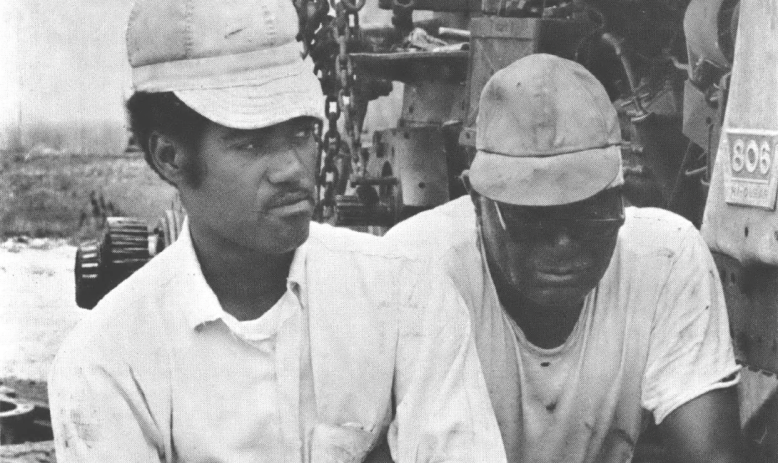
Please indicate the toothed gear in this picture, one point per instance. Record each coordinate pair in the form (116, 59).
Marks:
(89, 274)
(125, 248)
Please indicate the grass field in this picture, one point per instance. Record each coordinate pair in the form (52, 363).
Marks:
(69, 196)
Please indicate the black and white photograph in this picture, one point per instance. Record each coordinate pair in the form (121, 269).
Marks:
(389, 231)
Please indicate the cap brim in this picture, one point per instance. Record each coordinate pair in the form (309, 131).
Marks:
(294, 91)
(547, 180)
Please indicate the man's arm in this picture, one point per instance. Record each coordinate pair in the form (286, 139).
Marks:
(95, 416)
(691, 373)
(443, 411)
(705, 429)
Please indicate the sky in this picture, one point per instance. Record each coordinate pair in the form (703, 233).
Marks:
(63, 69)
(64, 75)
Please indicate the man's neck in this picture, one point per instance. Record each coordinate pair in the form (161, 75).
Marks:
(246, 282)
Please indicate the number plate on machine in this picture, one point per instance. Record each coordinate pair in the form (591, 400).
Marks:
(751, 174)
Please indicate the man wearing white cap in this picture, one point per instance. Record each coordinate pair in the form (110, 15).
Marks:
(259, 336)
(588, 319)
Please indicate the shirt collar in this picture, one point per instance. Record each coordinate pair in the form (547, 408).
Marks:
(195, 298)
(296, 278)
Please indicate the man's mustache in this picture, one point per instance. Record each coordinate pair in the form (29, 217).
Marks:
(289, 197)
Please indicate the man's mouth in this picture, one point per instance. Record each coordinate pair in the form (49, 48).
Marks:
(292, 203)
(560, 275)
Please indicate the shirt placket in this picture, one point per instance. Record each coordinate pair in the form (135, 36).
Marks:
(288, 377)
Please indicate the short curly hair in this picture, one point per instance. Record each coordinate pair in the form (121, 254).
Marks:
(165, 113)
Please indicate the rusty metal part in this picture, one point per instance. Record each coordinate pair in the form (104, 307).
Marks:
(125, 246)
(708, 29)
(453, 33)
(100, 267)
(331, 46)
(409, 67)
(752, 301)
(616, 43)
(702, 120)
(354, 211)
(438, 5)
(663, 146)
(90, 273)
(402, 15)
(523, 8)
(330, 40)
(419, 160)
(15, 419)
(435, 102)
(691, 186)
(310, 14)
(497, 42)
(167, 230)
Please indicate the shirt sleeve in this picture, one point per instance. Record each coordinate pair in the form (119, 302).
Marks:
(690, 350)
(98, 412)
(443, 411)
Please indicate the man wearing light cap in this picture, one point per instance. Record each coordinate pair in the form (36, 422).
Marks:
(259, 336)
(589, 319)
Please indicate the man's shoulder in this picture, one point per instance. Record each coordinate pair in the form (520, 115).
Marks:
(437, 230)
(649, 230)
(346, 244)
(128, 314)
(145, 286)
(382, 273)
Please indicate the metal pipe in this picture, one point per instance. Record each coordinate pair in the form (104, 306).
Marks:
(616, 43)
(450, 32)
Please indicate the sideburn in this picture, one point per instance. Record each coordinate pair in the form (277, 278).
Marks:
(193, 169)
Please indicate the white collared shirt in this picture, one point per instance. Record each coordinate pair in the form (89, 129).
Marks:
(159, 372)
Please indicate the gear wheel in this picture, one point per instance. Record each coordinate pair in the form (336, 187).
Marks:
(89, 273)
(125, 248)
(168, 228)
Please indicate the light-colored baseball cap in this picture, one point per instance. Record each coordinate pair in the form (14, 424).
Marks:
(236, 62)
(547, 134)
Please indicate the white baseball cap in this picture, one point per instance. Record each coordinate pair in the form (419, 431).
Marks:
(235, 62)
(547, 134)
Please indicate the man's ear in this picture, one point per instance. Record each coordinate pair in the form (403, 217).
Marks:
(167, 156)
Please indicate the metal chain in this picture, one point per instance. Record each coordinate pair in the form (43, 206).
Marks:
(329, 175)
(347, 29)
(327, 40)
(310, 15)
(402, 16)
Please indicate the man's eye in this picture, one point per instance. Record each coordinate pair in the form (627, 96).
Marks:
(248, 146)
(303, 133)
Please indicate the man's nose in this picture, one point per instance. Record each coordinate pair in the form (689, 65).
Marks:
(287, 166)
(561, 237)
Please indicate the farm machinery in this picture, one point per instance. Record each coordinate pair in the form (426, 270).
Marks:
(694, 83)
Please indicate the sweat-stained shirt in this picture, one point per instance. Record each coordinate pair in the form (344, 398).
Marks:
(653, 334)
(365, 342)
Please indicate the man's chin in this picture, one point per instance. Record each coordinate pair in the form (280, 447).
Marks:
(288, 236)
(558, 296)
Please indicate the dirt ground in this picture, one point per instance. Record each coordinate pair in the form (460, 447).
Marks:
(37, 311)
(37, 307)
(67, 197)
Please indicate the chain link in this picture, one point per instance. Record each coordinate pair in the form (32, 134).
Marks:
(347, 30)
(328, 41)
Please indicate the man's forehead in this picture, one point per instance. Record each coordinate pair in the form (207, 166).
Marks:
(229, 133)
